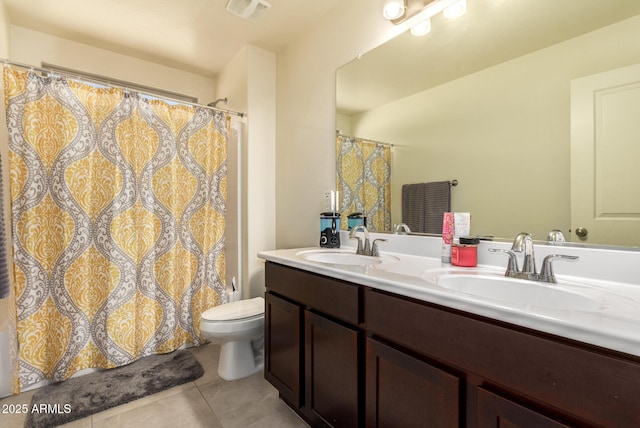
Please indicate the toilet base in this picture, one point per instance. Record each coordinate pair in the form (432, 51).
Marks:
(238, 359)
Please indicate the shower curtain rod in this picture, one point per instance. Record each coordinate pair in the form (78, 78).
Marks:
(340, 134)
(92, 79)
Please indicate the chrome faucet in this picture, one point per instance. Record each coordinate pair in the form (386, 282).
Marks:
(555, 237)
(365, 249)
(401, 229)
(523, 243)
(362, 249)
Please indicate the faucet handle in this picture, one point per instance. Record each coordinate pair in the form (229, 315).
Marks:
(374, 248)
(546, 274)
(512, 266)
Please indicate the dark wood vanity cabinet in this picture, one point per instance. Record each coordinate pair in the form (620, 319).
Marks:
(514, 377)
(312, 342)
(348, 355)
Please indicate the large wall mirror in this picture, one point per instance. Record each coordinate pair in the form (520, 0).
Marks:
(489, 100)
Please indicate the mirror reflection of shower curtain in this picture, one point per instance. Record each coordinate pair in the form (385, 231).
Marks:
(363, 178)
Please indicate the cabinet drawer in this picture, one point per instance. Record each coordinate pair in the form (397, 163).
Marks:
(332, 297)
(590, 383)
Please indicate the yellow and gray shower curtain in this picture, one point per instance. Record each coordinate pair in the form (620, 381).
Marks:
(363, 170)
(118, 221)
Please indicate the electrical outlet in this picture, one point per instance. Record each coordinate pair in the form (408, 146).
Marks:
(327, 201)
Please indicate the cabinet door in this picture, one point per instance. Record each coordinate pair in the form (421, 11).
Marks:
(331, 373)
(402, 391)
(283, 357)
(498, 412)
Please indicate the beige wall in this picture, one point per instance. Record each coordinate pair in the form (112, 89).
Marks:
(260, 172)
(343, 124)
(248, 81)
(231, 83)
(503, 133)
(305, 152)
(33, 48)
(5, 26)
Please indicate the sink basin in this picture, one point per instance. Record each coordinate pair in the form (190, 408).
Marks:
(337, 257)
(518, 292)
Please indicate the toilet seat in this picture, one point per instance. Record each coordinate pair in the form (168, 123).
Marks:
(233, 311)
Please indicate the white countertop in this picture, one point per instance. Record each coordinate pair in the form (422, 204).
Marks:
(615, 324)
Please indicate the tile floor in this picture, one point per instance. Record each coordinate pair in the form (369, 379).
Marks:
(206, 402)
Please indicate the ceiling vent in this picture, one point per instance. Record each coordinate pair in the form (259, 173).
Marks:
(251, 10)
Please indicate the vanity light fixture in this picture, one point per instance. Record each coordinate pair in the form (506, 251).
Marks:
(456, 10)
(416, 15)
(393, 9)
(422, 28)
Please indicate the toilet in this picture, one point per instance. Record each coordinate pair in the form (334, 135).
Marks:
(239, 328)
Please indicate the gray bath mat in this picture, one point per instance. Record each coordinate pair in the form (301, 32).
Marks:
(82, 396)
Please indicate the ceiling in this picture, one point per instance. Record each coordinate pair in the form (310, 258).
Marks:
(199, 36)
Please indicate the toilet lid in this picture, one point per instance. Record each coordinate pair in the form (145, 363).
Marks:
(235, 310)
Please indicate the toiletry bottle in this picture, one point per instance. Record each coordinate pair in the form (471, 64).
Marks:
(465, 253)
(447, 236)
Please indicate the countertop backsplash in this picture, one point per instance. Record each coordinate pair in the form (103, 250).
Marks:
(607, 264)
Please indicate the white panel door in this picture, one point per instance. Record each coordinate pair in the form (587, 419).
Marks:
(605, 157)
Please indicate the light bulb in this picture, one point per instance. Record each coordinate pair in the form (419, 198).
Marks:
(393, 9)
(456, 10)
(422, 28)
